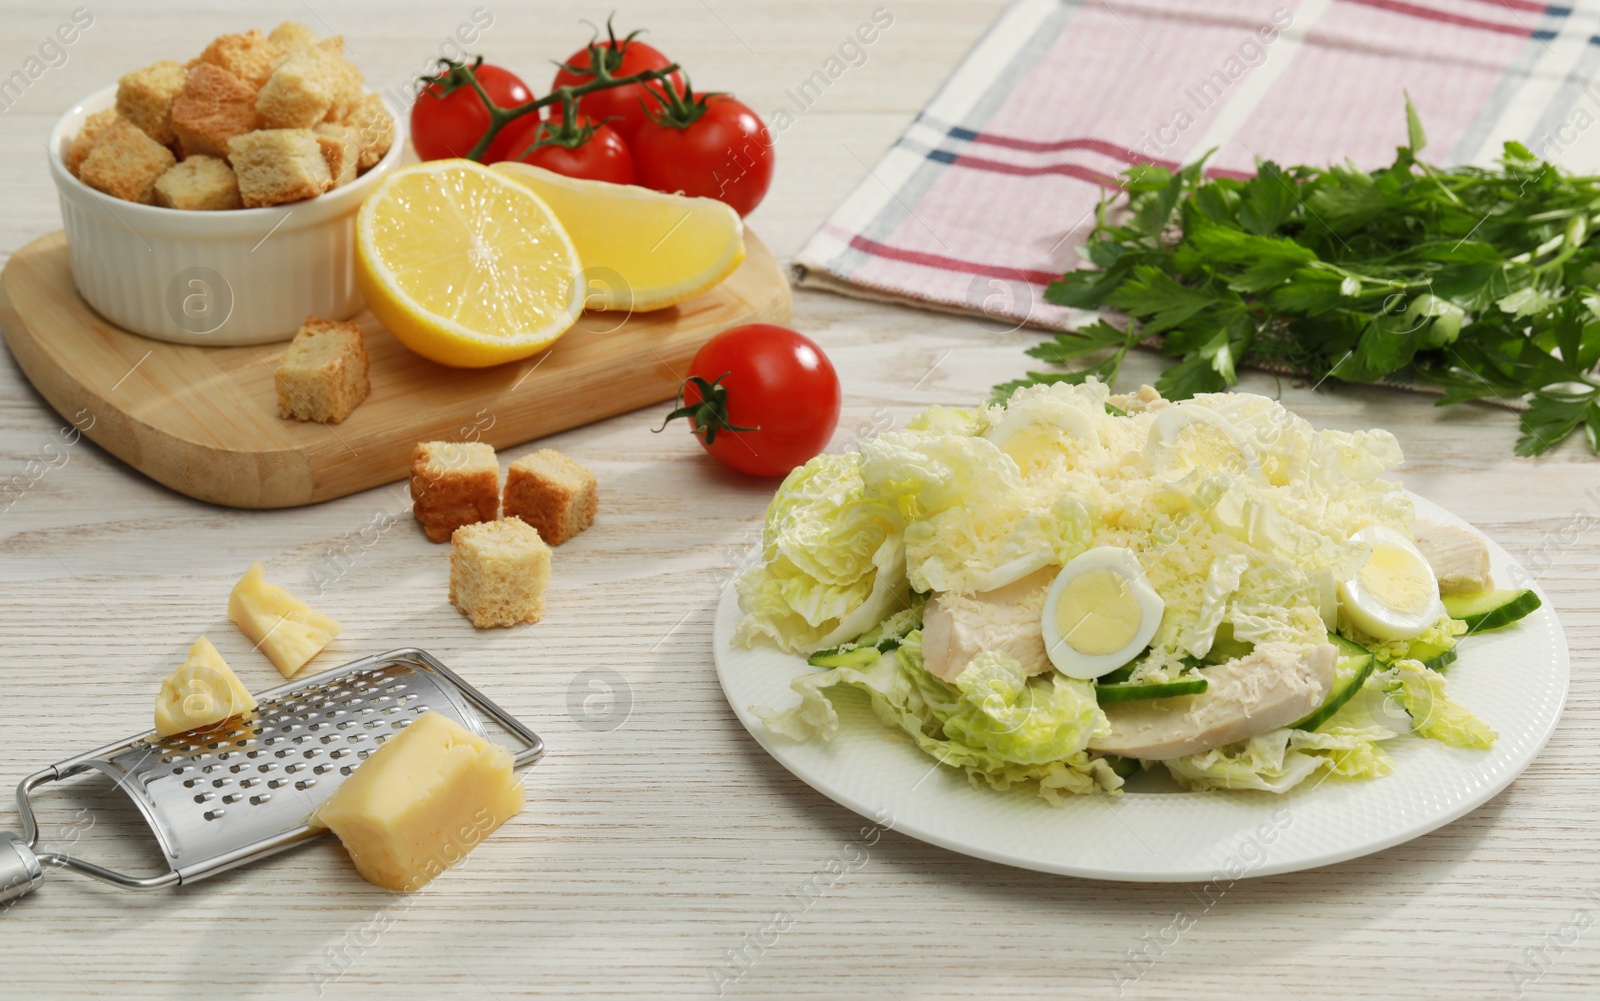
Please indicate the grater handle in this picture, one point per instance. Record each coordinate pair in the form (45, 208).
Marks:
(20, 871)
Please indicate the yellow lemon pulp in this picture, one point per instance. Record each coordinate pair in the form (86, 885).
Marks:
(1097, 613)
(640, 249)
(465, 267)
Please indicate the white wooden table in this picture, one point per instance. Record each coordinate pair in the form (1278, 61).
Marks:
(652, 848)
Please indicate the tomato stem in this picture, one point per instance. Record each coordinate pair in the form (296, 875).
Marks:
(455, 73)
(612, 53)
(710, 414)
(678, 110)
(567, 133)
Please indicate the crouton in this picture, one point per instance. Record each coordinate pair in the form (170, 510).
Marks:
(276, 166)
(144, 97)
(248, 56)
(291, 35)
(552, 493)
(323, 375)
(126, 163)
(453, 484)
(200, 184)
(498, 572)
(349, 92)
(215, 106)
(305, 87)
(374, 129)
(340, 150)
(84, 140)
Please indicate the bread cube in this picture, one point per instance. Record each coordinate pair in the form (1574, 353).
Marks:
(248, 56)
(374, 128)
(498, 572)
(291, 35)
(453, 484)
(276, 166)
(307, 84)
(339, 148)
(144, 97)
(552, 493)
(283, 627)
(199, 184)
(201, 693)
(350, 82)
(323, 375)
(83, 142)
(126, 163)
(215, 106)
(419, 803)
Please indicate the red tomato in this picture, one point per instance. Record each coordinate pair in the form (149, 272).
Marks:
(623, 108)
(761, 398)
(448, 125)
(515, 136)
(723, 151)
(595, 152)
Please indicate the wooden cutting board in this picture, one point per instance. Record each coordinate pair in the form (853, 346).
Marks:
(204, 421)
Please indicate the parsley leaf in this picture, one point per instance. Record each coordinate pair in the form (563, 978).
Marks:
(1485, 280)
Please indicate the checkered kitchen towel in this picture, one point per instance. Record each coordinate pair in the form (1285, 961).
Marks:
(988, 195)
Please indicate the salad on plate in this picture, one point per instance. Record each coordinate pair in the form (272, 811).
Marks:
(1059, 591)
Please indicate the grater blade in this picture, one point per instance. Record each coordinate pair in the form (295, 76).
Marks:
(244, 789)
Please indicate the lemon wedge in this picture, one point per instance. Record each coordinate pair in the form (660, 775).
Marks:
(464, 266)
(641, 249)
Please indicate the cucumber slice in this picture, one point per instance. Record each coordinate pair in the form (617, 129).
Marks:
(1127, 692)
(861, 656)
(871, 636)
(1125, 767)
(1225, 648)
(1355, 663)
(1433, 656)
(1347, 647)
(1121, 674)
(1490, 609)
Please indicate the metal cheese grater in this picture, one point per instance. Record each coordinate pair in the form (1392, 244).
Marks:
(244, 790)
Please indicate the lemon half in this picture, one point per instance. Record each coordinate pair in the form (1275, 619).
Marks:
(641, 249)
(464, 266)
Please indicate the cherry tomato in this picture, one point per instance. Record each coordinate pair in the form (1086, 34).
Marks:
(761, 398)
(591, 151)
(515, 136)
(713, 146)
(446, 125)
(623, 108)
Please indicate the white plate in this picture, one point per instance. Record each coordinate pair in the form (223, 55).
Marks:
(1515, 679)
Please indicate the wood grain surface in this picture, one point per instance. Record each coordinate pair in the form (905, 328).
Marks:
(204, 421)
(659, 841)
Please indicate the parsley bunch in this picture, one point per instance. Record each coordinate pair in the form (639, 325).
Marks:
(1481, 280)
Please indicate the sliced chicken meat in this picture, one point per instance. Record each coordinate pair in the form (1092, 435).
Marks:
(958, 627)
(1273, 686)
(1460, 559)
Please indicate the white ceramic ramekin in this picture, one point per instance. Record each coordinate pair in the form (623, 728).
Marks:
(247, 276)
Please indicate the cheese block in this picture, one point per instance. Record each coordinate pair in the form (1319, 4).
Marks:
(201, 693)
(422, 801)
(283, 627)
